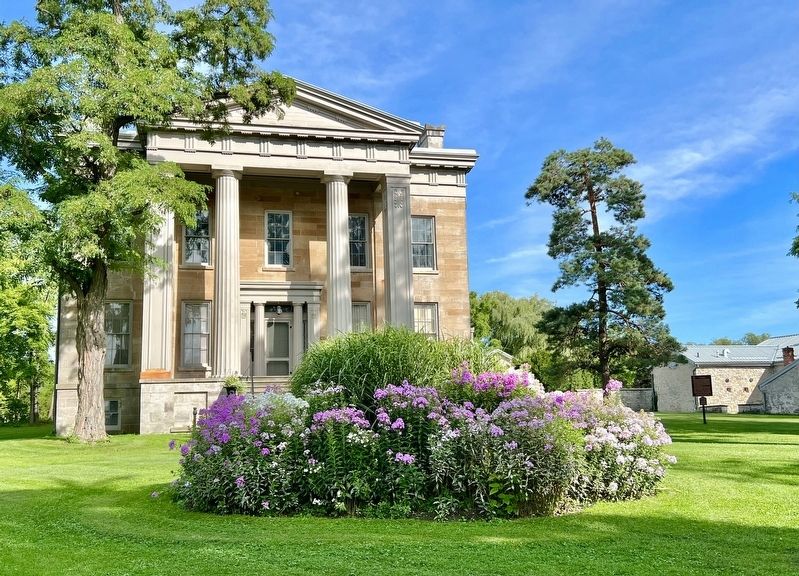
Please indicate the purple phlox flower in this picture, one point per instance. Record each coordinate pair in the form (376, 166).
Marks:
(420, 402)
(512, 445)
(184, 449)
(348, 415)
(265, 504)
(404, 458)
(398, 424)
(495, 430)
(240, 482)
(613, 385)
(265, 451)
(172, 444)
(383, 417)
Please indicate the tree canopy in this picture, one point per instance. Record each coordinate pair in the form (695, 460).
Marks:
(72, 85)
(27, 303)
(751, 338)
(619, 327)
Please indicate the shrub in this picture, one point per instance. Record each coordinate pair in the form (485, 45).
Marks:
(363, 362)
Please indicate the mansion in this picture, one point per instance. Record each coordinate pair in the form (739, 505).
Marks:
(329, 218)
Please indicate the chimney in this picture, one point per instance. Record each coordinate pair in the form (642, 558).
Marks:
(787, 355)
(433, 136)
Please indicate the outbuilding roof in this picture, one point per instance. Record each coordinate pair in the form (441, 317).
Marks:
(733, 355)
(781, 341)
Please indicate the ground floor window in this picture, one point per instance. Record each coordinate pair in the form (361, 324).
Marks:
(425, 318)
(196, 333)
(112, 420)
(117, 334)
(361, 317)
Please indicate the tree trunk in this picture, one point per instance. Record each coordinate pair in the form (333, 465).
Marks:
(90, 341)
(601, 289)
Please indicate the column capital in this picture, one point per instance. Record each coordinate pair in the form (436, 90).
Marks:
(229, 171)
(337, 177)
(397, 179)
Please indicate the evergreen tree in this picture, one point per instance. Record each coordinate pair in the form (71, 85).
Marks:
(70, 84)
(620, 325)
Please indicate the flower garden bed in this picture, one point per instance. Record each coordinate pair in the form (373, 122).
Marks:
(485, 445)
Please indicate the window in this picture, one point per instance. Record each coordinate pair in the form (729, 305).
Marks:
(425, 319)
(361, 317)
(197, 241)
(112, 415)
(423, 242)
(196, 333)
(117, 334)
(278, 239)
(358, 241)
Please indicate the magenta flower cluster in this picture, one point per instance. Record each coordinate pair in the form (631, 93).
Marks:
(347, 415)
(504, 385)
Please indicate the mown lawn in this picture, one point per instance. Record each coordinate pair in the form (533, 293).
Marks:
(729, 506)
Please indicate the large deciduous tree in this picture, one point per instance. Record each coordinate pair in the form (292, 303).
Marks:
(597, 245)
(71, 84)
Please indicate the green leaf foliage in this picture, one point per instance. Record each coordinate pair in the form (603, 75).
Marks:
(619, 327)
(79, 90)
(27, 304)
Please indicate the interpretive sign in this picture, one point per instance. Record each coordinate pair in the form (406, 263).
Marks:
(702, 385)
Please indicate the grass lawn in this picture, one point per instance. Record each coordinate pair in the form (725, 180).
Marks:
(729, 506)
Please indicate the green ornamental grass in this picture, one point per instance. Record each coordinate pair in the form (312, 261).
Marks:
(729, 506)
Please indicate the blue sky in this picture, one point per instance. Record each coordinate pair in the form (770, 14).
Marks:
(704, 94)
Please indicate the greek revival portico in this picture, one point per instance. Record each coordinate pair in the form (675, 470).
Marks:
(321, 136)
(327, 217)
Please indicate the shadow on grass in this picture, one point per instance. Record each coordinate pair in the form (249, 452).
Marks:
(93, 523)
(26, 431)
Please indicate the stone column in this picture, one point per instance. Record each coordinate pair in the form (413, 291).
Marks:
(314, 323)
(397, 250)
(227, 352)
(296, 337)
(157, 306)
(260, 340)
(339, 284)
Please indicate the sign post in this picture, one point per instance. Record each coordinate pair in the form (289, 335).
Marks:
(702, 386)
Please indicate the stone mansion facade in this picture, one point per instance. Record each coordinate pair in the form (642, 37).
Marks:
(328, 218)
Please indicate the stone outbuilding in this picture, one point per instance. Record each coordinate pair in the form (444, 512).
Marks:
(781, 389)
(738, 376)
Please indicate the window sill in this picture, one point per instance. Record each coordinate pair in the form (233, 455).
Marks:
(277, 268)
(118, 368)
(425, 271)
(195, 267)
(194, 368)
(361, 270)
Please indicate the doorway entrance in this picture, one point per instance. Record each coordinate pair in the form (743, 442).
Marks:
(277, 341)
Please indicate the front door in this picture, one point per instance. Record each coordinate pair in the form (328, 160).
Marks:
(278, 346)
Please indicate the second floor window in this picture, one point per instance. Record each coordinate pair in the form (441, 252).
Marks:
(358, 241)
(278, 239)
(117, 334)
(198, 241)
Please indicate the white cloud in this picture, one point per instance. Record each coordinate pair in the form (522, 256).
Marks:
(526, 253)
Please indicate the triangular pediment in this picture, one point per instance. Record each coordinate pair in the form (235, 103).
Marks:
(316, 109)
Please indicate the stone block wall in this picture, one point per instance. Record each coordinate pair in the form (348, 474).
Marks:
(637, 398)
